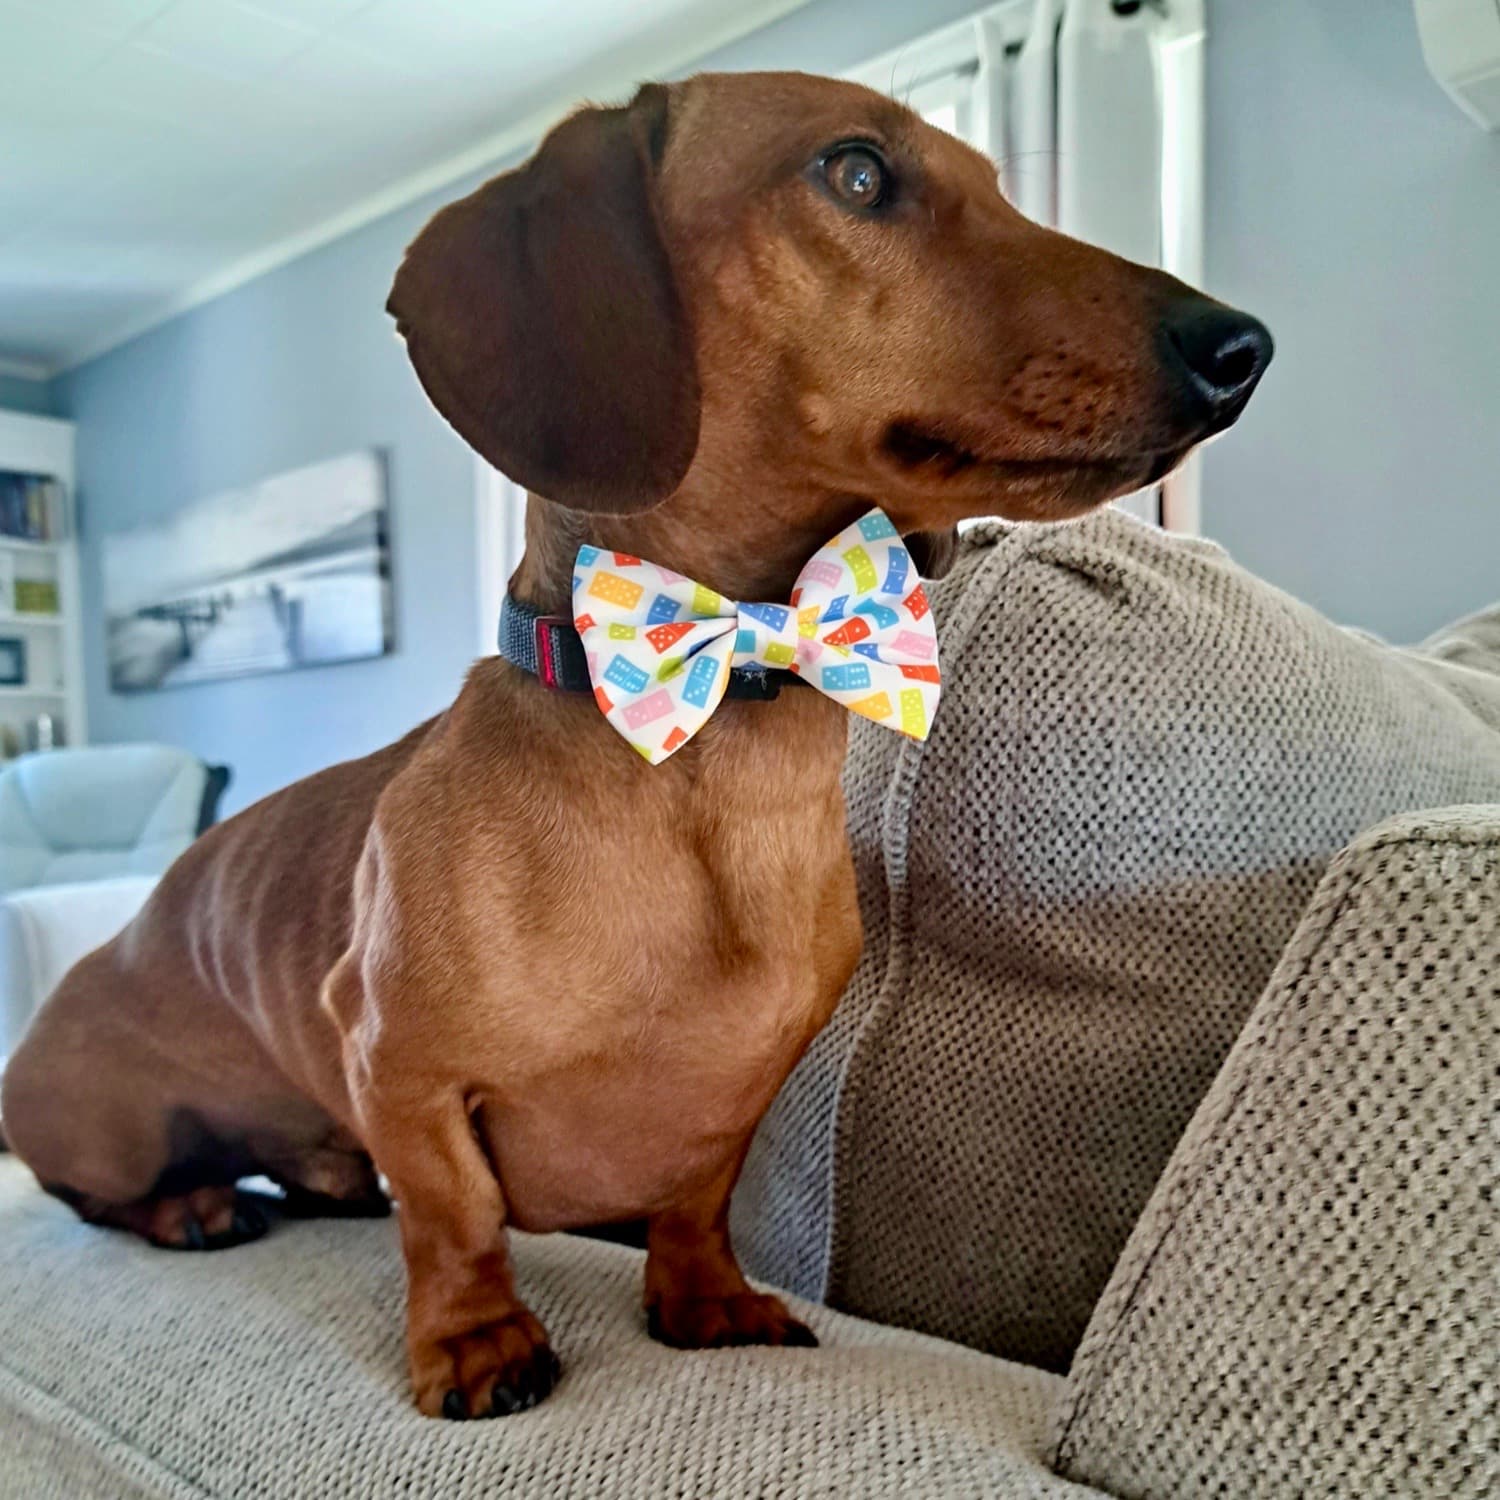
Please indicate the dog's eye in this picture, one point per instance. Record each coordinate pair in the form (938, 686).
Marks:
(856, 175)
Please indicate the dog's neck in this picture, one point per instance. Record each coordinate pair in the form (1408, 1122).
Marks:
(747, 547)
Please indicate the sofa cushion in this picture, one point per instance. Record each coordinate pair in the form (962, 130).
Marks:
(1312, 1296)
(277, 1370)
(1073, 894)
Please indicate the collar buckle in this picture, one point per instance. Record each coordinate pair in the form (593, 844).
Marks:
(547, 632)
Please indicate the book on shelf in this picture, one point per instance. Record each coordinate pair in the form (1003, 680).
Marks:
(28, 596)
(31, 506)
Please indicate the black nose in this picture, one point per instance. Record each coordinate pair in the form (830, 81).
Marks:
(1216, 353)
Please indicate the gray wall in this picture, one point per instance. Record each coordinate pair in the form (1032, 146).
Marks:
(1350, 205)
(1357, 211)
(300, 365)
(31, 396)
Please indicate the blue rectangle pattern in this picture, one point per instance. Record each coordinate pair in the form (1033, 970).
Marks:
(884, 617)
(700, 681)
(626, 675)
(848, 678)
(774, 615)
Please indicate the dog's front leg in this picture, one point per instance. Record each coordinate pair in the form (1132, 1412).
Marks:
(696, 1295)
(475, 1349)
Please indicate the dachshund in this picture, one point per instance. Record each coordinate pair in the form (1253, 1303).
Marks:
(505, 964)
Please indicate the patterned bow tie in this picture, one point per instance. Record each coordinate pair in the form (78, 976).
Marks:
(660, 647)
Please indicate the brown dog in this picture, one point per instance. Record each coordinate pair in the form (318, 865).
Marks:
(538, 981)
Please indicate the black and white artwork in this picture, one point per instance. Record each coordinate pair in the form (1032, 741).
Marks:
(291, 572)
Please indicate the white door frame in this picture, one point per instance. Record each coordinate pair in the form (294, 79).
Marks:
(499, 541)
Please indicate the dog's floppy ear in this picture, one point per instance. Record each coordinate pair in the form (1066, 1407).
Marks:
(543, 320)
(933, 551)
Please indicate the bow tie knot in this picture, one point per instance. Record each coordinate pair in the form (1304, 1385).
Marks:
(766, 635)
(660, 647)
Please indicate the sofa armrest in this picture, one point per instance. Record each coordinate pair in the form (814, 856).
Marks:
(46, 930)
(1309, 1303)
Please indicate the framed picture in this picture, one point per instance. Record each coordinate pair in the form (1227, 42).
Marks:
(12, 661)
(292, 572)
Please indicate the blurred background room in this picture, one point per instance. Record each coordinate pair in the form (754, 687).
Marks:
(202, 203)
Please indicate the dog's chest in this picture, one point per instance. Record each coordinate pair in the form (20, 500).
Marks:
(648, 1120)
(645, 1044)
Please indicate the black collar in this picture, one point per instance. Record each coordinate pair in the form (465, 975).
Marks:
(550, 649)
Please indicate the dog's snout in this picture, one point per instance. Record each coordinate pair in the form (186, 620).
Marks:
(1217, 353)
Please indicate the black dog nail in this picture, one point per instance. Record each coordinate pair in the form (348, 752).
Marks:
(455, 1408)
(249, 1221)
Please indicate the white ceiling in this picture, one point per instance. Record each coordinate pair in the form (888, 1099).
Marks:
(153, 152)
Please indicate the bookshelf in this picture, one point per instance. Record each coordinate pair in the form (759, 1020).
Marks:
(52, 642)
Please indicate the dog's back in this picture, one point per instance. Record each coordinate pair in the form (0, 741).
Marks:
(226, 953)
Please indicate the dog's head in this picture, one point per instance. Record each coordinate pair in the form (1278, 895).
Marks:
(753, 273)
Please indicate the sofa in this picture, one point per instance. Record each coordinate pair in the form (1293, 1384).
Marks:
(1074, 894)
(84, 835)
(1306, 1296)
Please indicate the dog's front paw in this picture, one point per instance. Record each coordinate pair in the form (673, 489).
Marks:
(491, 1371)
(723, 1322)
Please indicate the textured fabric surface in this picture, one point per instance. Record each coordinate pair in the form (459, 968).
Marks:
(1472, 642)
(1310, 1305)
(1073, 895)
(276, 1370)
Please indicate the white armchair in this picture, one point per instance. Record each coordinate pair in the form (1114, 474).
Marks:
(84, 836)
(102, 811)
(46, 930)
